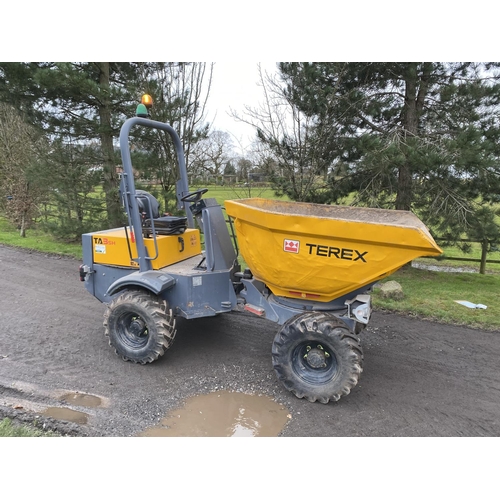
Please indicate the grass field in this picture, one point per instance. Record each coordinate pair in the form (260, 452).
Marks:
(222, 193)
(432, 295)
(37, 240)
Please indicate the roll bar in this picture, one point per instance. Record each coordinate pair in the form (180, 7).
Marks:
(128, 183)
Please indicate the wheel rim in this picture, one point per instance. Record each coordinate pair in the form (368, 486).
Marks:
(314, 362)
(133, 331)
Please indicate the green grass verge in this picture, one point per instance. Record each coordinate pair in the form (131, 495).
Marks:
(432, 295)
(38, 241)
(8, 429)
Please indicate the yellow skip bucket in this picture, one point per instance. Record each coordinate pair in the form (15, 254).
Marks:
(322, 252)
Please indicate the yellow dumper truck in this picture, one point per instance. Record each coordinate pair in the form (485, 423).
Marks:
(310, 270)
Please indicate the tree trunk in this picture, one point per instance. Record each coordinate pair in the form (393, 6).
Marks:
(113, 206)
(403, 197)
(415, 93)
(22, 231)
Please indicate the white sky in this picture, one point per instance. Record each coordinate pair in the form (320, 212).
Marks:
(234, 85)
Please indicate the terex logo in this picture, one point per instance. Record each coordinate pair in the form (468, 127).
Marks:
(291, 246)
(339, 253)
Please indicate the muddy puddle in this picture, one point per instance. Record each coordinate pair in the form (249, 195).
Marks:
(66, 414)
(223, 414)
(74, 399)
(81, 399)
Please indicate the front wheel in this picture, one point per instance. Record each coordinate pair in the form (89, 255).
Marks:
(139, 326)
(316, 357)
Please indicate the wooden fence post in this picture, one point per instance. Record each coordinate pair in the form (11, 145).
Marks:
(484, 251)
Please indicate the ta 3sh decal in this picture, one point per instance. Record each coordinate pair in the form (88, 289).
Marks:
(103, 241)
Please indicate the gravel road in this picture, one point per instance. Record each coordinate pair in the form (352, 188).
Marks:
(420, 378)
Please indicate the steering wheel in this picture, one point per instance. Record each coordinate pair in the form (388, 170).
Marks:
(194, 196)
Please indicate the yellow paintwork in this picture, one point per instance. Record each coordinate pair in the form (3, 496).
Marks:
(110, 247)
(340, 249)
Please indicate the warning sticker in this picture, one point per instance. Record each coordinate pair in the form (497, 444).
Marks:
(100, 249)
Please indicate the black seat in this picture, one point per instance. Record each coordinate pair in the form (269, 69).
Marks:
(148, 204)
(165, 225)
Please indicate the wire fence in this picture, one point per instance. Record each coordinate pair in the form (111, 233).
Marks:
(485, 245)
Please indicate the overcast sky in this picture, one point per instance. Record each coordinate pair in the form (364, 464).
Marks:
(234, 85)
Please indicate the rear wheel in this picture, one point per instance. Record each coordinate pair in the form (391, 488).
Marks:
(316, 357)
(139, 326)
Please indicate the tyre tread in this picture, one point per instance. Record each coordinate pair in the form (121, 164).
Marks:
(159, 312)
(327, 327)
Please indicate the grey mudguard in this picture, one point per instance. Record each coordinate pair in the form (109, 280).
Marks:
(155, 281)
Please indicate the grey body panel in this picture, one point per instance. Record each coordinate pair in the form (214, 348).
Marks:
(220, 252)
(190, 291)
(279, 309)
(154, 281)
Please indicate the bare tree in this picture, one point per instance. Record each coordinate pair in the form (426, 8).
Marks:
(211, 155)
(180, 92)
(287, 141)
(18, 151)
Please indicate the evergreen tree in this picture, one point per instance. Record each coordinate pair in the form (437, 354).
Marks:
(74, 206)
(229, 173)
(412, 136)
(77, 102)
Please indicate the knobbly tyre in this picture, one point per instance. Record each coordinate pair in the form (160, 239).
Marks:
(310, 270)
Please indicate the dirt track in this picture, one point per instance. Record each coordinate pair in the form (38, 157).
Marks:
(419, 379)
